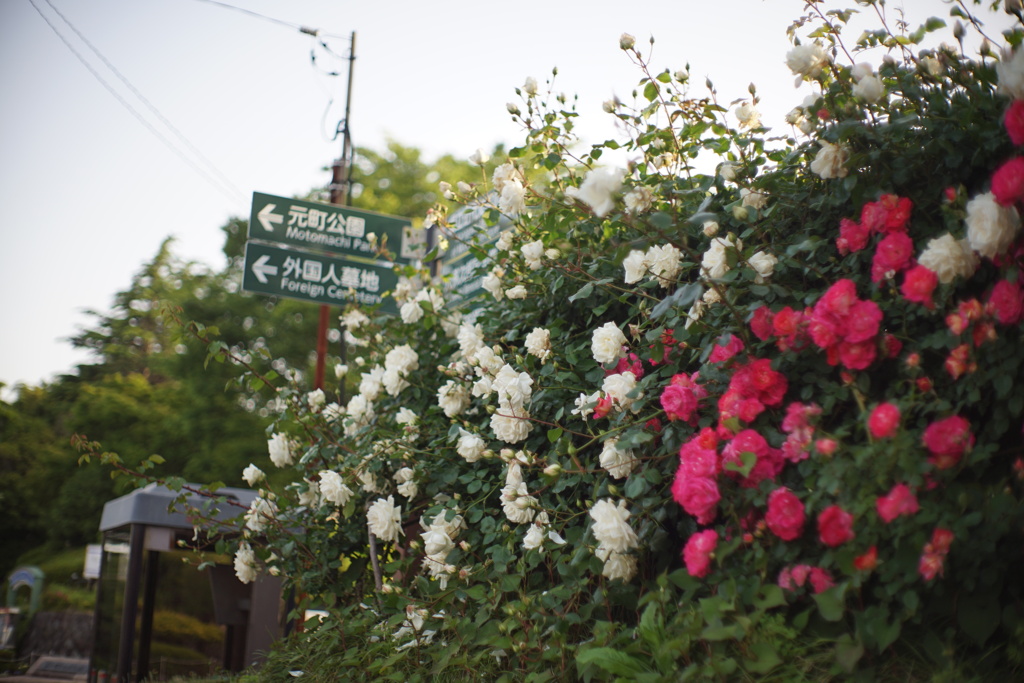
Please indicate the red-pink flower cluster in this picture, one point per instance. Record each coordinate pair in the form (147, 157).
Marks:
(785, 517)
(947, 440)
(1008, 182)
(889, 215)
(899, 501)
(787, 326)
(694, 487)
(723, 352)
(846, 327)
(933, 556)
(1014, 122)
(835, 526)
(768, 462)
(1006, 302)
(699, 551)
(797, 425)
(884, 420)
(791, 578)
(753, 387)
(918, 285)
(682, 396)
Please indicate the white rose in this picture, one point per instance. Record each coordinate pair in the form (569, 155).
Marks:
(714, 263)
(517, 503)
(479, 157)
(626, 41)
(471, 339)
(406, 417)
(453, 398)
(512, 201)
(870, 89)
(530, 87)
(618, 566)
(280, 449)
(252, 475)
(727, 171)
(948, 258)
(618, 386)
(830, 161)
(1010, 74)
(807, 60)
(370, 384)
(598, 190)
(753, 198)
(402, 358)
(408, 489)
(384, 519)
(606, 344)
(534, 538)
(618, 462)
(411, 312)
(665, 262)
(635, 265)
(492, 283)
(503, 174)
(333, 489)
(532, 253)
(991, 228)
(638, 199)
(509, 428)
(748, 116)
(710, 228)
(538, 343)
(437, 543)
(517, 292)
(470, 446)
(610, 526)
(245, 563)
(260, 513)
(354, 319)
(394, 382)
(764, 264)
(585, 404)
(513, 387)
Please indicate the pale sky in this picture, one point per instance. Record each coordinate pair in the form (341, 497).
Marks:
(88, 192)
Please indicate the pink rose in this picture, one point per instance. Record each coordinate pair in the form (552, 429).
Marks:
(1008, 182)
(679, 402)
(697, 552)
(821, 580)
(884, 421)
(1015, 122)
(835, 526)
(892, 254)
(852, 236)
(761, 323)
(723, 352)
(1007, 302)
(899, 501)
(918, 284)
(785, 517)
(947, 440)
(697, 495)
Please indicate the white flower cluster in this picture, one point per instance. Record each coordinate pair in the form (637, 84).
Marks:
(280, 448)
(830, 161)
(598, 190)
(260, 513)
(618, 461)
(615, 538)
(398, 363)
(991, 228)
(511, 422)
(516, 501)
(607, 344)
(438, 541)
(538, 343)
(532, 253)
(412, 312)
(384, 519)
(510, 185)
(807, 61)
(333, 489)
(407, 486)
(245, 563)
(660, 263)
(538, 531)
(868, 85)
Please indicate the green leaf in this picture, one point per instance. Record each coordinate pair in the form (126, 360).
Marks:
(848, 652)
(831, 603)
(651, 91)
(975, 613)
(766, 658)
(611, 660)
(583, 292)
(554, 434)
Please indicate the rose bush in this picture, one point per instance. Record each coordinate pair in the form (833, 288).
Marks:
(743, 390)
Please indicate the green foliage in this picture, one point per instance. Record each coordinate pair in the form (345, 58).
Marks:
(662, 355)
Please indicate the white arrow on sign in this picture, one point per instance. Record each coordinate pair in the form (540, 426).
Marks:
(268, 218)
(261, 269)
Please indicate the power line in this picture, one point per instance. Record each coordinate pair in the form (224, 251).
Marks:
(156, 112)
(297, 27)
(225, 186)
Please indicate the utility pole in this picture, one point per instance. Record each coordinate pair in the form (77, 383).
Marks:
(341, 178)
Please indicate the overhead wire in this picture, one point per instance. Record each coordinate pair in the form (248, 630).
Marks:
(149, 105)
(227, 189)
(297, 27)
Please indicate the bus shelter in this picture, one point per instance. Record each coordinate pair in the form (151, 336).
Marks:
(136, 529)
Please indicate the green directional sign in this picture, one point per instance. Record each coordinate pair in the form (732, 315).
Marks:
(459, 266)
(337, 229)
(322, 279)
